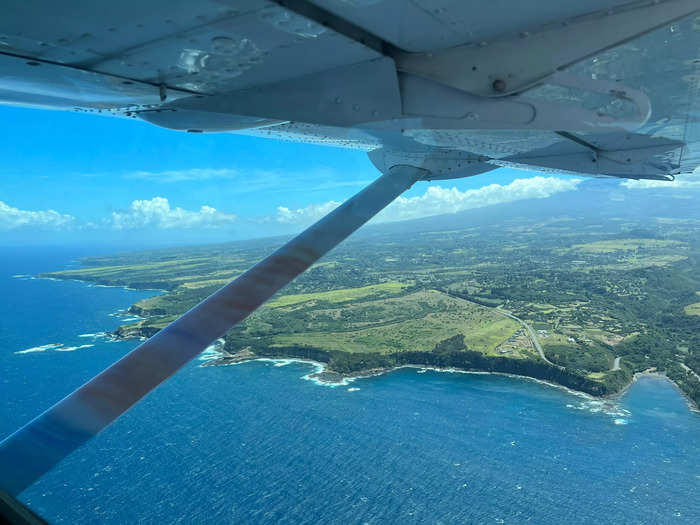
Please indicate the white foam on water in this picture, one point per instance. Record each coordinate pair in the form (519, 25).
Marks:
(72, 348)
(42, 348)
(213, 351)
(97, 335)
(320, 368)
(354, 389)
(618, 414)
(55, 347)
(208, 355)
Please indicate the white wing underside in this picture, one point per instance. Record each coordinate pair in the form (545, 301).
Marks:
(412, 82)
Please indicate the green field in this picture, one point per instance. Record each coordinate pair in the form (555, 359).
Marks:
(623, 245)
(416, 322)
(692, 309)
(595, 287)
(339, 296)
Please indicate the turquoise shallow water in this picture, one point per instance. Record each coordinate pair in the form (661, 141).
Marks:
(257, 443)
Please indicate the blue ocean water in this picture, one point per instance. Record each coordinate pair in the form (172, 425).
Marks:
(257, 443)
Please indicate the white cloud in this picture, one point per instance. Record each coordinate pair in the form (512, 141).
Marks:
(157, 213)
(13, 218)
(438, 200)
(306, 215)
(684, 181)
(193, 174)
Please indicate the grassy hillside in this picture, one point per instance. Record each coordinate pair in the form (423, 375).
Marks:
(593, 286)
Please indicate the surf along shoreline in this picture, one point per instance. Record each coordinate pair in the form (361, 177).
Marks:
(321, 376)
(325, 375)
(653, 372)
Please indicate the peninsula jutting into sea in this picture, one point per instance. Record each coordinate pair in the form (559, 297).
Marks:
(581, 296)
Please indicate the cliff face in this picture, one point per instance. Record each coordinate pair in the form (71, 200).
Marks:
(136, 309)
(135, 331)
(469, 360)
(450, 353)
(345, 363)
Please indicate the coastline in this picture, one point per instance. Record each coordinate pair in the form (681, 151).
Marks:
(324, 376)
(533, 370)
(92, 284)
(652, 372)
(328, 377)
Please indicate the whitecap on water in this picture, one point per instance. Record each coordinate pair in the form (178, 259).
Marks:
(71, 348)
(354, 389)
(56, 347)
(42, 348)
(319, 369)
(213, 351)
(609, 408)
(96, 335)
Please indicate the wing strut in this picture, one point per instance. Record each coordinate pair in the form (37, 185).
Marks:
(37, 447)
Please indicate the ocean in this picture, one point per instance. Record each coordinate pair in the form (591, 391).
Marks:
(261, 443)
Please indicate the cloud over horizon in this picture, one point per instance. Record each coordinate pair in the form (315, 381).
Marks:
(438, 200)
(683, 181)
(157, 213)
(14, 218)
(305, 215)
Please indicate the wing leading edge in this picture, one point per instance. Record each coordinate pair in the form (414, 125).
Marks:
(606, 90)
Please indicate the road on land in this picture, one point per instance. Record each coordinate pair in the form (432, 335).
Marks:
(688, 369)
(531, 333)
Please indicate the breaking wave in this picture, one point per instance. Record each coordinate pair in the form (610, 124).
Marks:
(55, 347)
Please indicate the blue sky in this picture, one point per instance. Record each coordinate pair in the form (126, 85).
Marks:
(70, 176)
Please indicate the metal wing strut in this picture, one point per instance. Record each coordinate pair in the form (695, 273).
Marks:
(37, 447)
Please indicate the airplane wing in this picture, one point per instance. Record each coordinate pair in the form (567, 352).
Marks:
(604, 87)
(431, 89)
